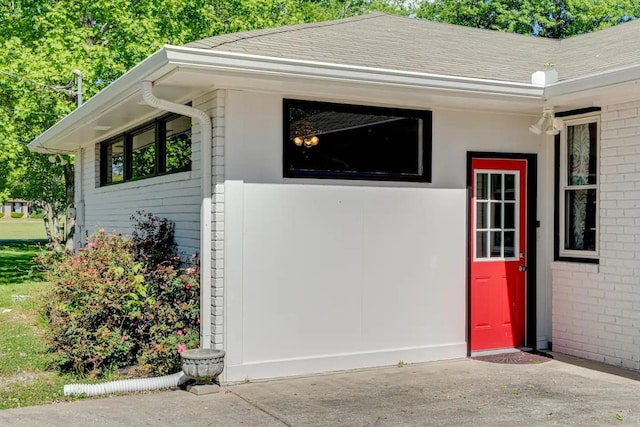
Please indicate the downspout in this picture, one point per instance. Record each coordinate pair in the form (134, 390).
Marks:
(78, 197)
(205, 209)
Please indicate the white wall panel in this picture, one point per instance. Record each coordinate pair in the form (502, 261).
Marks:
(331, 277)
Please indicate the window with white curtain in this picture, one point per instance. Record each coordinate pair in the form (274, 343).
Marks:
(578, 204)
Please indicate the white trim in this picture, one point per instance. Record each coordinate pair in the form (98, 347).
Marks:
(175, 58)
(239, 62)
(593, 81)
(340, 362)
(144, 182)
(563, 185)
(516, 229)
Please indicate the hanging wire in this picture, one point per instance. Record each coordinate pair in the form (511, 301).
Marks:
(66, 88)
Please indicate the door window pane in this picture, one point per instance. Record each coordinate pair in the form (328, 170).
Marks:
(482, 214)
(482, 185)
(496, 187)
(496, 244)
(496, 215)
(509, 244)
(509, 186)
(509, 215)
(481, 244)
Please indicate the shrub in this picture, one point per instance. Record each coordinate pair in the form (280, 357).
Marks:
(117, 303)
(17, 214)
(153, 240)
(36, 215)
(1, 214)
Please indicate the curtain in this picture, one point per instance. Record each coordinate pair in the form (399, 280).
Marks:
(578, 152)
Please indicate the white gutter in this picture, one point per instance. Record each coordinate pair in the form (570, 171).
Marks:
(205, 209)
(169, 58)
(598, 80)
(195, 58)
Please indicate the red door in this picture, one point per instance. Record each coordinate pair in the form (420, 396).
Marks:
(497, 253)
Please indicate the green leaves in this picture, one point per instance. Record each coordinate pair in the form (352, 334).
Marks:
(544, 18)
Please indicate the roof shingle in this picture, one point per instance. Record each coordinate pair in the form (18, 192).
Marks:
(407, 44)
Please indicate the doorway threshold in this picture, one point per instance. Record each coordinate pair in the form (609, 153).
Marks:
(493, 352)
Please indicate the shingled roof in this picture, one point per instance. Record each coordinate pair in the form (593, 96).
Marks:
(400, 43)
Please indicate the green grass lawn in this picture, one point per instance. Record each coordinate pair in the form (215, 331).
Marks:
(20, 228)
(24, 378)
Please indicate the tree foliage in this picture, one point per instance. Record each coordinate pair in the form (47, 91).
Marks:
(43, 41)
(545, 18)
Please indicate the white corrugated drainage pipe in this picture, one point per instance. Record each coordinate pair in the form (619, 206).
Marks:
(125, 386)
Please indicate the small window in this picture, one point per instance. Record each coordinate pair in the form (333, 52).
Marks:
(578, 192)
(326, 140)
(113, 157)
(159, 147)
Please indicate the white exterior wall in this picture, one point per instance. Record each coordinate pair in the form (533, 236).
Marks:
(596, 308)
(175, 197)
(332, 274)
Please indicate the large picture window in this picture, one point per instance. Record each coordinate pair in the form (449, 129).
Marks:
(327, 140)
(159, 147)
(578, 192)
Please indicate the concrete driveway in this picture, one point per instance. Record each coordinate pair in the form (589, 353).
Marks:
(457, 393)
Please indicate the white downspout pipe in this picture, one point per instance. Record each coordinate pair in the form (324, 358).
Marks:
(205, 209)
(78, 202)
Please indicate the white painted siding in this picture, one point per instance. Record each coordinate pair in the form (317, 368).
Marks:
(596, 308)
(333, 274)
(323, 278)
(175, 196)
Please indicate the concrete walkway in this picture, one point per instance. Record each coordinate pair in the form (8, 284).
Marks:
(457, 393)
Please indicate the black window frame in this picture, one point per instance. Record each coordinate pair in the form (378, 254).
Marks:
(159, 126)
(591, 115)
(424, 115)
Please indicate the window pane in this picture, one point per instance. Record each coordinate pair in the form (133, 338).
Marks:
(481, 244)
(580, 220)
(481, 221)
(509, 186)
(496, 187)
(496, 244)
(509, 244)
(509, 215)
(178, 148)
(581, 154)
(115, 162)
(496, 215)
(352, 140)
(144, 154)
(482, 186)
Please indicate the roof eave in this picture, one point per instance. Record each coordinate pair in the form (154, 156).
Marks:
(118, 90)
(583, 85)
(170, 58)
(229, 61)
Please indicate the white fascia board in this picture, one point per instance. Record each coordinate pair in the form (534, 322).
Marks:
(117, 91)
(170, 58)
(239, 62)
(593, 81)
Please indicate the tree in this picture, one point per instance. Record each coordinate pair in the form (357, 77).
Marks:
(544, 18)
(43, 40)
